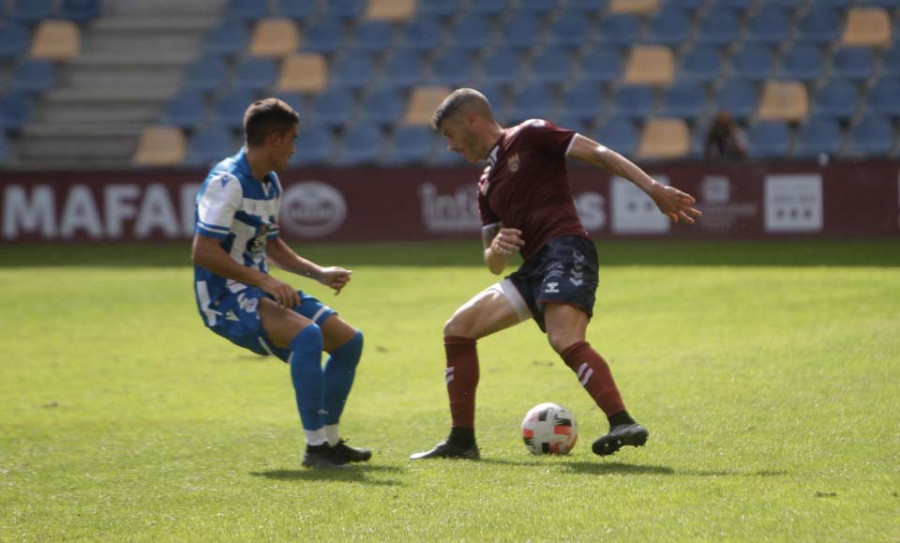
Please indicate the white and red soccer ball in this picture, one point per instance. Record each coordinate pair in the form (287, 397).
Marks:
(549, 428)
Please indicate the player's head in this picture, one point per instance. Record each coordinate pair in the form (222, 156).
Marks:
(270, 126)
(467, 123)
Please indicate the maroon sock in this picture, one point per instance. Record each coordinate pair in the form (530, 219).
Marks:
(595, 376)
(462, 379)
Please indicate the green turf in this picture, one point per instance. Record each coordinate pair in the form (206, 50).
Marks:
(767, 373)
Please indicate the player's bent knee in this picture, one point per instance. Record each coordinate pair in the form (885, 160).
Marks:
(458, 327)
(561, 341)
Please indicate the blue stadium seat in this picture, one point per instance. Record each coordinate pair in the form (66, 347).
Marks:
(736, 5)
(209, 146)
(584, 101)
(384, 106)
(471, 33)
(769, 26)
(353, 71)
(439, 8)
(345, 9)
(634, 101)
(34, 75)
(361, 145)
(314, 145)
(689, 5)
(803, 62)
(819, 135)
(374, 36)
(15, 110)
(619, 134)
(790, 5)
(404, 68)
(539, 7)
(410, 144)
(534, 101)
(837, 4)
(228, 38)
(206, 73)
(502, 67)
(683, 100)
(620, 29)
(255, 73)
(872, 135)
(4, 145)
(670, 26)
(601, 65)
(718, 27)
(247, 10)
(297, 9)
(571, 30)
(296, 101)
(884, 98)
(769, 139)
(856, 63)
(452, 67)
(496, 96)
(821, 25)
(489, 8)
(31, 12)
(703, 63)
(324, 36)
(592, 7)
(522, 31)
(886, 4)
(422, 33)
(81, 11)
(738, 97)
(753, 62)
(230, 107)
(576, 123)
(838, 98)
(553, 65)
(890, 62)
(186, 109)
(334, 107)
(14, 40)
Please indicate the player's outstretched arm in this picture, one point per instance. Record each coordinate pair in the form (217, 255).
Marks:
(675, 204)
(281, 254)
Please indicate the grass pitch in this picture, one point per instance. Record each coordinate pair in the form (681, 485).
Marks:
(767, 373)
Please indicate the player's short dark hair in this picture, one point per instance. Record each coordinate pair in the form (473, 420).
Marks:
(263, 117)
(458, 101)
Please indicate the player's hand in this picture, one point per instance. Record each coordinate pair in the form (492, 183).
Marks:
(507, 241)
(283, 293)
(335, 277)
(675, 204)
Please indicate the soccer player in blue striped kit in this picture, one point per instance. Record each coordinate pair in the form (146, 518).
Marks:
(236, 232)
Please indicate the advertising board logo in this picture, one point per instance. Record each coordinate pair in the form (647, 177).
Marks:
(633, 212)
(794, 203)
(715, 189)
(312, 209)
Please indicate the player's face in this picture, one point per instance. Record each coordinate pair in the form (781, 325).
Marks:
(461, 139)
(282, 149)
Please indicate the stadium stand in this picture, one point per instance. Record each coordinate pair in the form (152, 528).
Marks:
(664, 139)
(274, 37)
(650, 65)
(304, 73)
(161, 146)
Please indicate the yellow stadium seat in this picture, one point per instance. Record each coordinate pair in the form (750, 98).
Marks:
(637, 7)
(784, 101)
(867, 27)
(391, 10)
(303, 72)
(423, 102)
(274, 38)
(56, 40)
(161, 146)
(650, 65)
(664, 139)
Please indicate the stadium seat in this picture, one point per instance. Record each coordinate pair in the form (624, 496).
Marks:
(571, 30)
(390, 10)
(575, 123)
(867, 27)
(230, 107)
(703, 63)
(634, 7)
(619, 134)
(15, 110)
(296, 101)
(590, 7)
(821, 25)
(871, 136)
(56, 40)
(769, 26)
(206, 73)
(754, 62)
(374, 36)
(522, 31)
(838, 98)
(422, 103)
(186, 109)
(409, 145)
(160, 145)
(885, 4)
(34, 75)
(404, 68)
(361, 145)
(489, 8)
(553, 65)
(247, 10)
(314, 145)
(209, 146)
(784, 101)
(335, 108)
(31, 12)
(622, 29)
(718, 27)
(439, 8)
(738, 97)
(583, 101)
(502, 67)
(670, 27)
(452, 67)
(303, 72)
(650, 65)
(819, 135)
(600, 65)
(683, 100)
(534, 101)
(14, 40)
(856, 63)
(802, 62)
(688, 5)
(789, 5)
(228, 38)
(4, 144)
(633, 101)
(299, 10)
(769, 139)
(884, 98)
(739, 6)
(538, 7)
(471, 33)
(890, 62)
(345, 9)
(445, 158)
(274, 37)
(81, 11)
(353, 71)
(383, 106)
(422, 33)
(664, 139)
(255, 73)
(324, 36)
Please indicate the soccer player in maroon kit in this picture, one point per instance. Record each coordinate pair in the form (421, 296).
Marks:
(526, 207)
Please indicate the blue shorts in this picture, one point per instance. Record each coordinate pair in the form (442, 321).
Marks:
(238, 319)
(565, 271)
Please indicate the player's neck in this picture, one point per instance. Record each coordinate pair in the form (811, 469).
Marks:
(493, 137)
(260, 165)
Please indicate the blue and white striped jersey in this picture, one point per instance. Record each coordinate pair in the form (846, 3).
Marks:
(242, 213)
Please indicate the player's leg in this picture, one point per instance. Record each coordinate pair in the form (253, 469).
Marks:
(496, 308)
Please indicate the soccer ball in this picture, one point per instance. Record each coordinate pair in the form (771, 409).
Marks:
(549, 428)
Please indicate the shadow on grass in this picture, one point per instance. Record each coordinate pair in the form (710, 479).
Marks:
(620, 468)
(353, 474)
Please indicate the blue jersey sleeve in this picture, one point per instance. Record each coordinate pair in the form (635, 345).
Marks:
(217, 204)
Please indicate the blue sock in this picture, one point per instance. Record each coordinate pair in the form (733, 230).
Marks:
(338, 377)
(306, 373)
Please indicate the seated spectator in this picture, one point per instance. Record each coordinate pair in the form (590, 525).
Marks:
(725, 140)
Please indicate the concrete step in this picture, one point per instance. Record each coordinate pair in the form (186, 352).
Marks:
(84, 151)
(153, 8)
(78, 96)
(98, 112)
(168, 77)
(52, 130)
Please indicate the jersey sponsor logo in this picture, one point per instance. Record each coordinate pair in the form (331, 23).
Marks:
(258, 244)
(312, 209)
(513, 163)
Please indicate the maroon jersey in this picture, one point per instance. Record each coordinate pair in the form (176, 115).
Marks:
(525, 185)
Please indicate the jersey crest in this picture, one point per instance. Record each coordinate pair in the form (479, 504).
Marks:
(513, 163)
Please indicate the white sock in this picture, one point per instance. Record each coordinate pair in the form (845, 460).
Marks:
(315, 437)
(334, 435)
